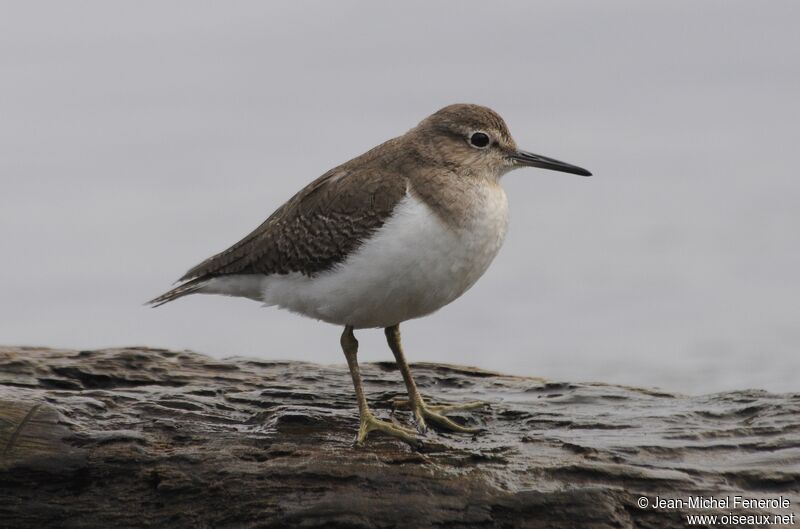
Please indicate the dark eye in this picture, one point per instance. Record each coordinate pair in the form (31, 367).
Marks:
(479, 140)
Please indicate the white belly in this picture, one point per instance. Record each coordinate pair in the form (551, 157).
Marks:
(412, 266)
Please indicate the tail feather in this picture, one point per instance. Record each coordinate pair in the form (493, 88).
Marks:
(190, 287)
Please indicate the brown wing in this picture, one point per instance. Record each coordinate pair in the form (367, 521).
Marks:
(318, 227)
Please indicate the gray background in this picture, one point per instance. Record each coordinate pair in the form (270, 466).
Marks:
(138, 138)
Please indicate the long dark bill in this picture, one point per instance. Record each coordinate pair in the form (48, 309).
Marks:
(534, 160)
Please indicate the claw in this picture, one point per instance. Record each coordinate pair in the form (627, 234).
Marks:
(433, 413)
(370, 423)
(443, 421)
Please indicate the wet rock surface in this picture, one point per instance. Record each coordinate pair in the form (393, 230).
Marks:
(143, 437)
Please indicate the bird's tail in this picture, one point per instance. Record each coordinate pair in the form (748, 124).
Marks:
(190, 287)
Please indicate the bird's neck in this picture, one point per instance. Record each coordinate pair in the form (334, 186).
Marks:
(456, 198)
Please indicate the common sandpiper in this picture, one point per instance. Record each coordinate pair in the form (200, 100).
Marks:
(394, 234)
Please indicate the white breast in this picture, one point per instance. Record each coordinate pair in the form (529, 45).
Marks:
(412, 266)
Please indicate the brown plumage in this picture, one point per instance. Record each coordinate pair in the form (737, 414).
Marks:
(320, 225)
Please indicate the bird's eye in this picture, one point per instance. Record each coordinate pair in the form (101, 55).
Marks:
(479, 140)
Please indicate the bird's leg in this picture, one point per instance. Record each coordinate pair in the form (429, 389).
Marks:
(368, 421)
(423, 411)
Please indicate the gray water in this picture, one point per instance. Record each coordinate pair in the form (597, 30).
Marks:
(138, 139)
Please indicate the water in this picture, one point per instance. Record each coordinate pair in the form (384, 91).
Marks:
(138, 140)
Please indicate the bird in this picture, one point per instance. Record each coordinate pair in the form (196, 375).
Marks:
(392, 235)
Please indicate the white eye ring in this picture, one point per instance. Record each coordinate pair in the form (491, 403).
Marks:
(480, 140)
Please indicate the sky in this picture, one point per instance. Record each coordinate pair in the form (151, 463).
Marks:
(139, 138)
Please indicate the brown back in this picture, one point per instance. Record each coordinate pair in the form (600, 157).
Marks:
(322, 224)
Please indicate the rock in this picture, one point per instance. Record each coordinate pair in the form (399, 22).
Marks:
(144, 437)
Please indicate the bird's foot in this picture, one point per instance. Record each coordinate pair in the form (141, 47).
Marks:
(370, 423)
(434, 413)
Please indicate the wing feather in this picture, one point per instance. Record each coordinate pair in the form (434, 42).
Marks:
(318, 227)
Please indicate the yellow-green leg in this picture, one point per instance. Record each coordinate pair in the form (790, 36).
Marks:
(424, 413)
(368, 421)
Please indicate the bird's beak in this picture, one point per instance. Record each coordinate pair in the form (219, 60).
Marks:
(534, 160)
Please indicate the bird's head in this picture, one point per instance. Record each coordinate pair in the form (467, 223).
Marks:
(476, 138)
